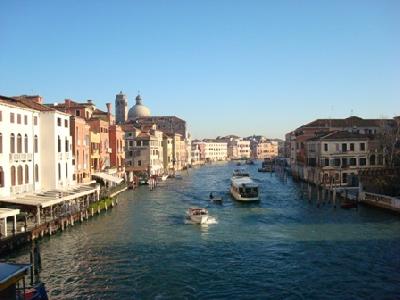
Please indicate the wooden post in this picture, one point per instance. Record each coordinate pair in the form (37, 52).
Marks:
(309, 192)
(334, 198)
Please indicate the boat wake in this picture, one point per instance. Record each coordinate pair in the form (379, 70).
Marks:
(210, 221)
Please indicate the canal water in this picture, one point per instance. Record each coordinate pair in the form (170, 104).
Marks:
(283, 247)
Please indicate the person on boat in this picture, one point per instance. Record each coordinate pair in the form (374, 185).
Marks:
(211, 196)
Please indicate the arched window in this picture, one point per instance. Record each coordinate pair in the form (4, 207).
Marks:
(20, 174)
(26, 143)
(12, 143)
(26, 174)
(1, 177)
(59, 171)
(13, 179)
(66, 145)
(1, 142)
(19, 143)
(36, 173)
(36, 143)
(59, 144)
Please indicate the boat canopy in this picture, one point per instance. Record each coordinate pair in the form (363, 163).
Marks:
(11, 273)
(244, 182)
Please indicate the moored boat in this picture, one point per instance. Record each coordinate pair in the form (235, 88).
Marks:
(240, 173)
(198, 215)
(164, 177)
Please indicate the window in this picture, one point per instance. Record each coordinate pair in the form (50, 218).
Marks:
(1, 116)
(13, 179)
(26, 120)
(26, 174)
(1, 177)
(12, 118)
(59, 144)
(36, 173)
(326, 162)
(66, 170)
(59, 171)
(26, 143)
(35, 120)
(362, 146)
(18, 119)
(77, 113)
(372, 160)
(66, 123)
(1, 142)
(344, 162)
(35, 141)
(325, 147)
(363, 161)
(344, 178)
(344, 147)
(19, 143)
(351, 146)
(12, 143)
(59, 121)
(139, 163)
(66, 145)
(352, 161)
(20, 175)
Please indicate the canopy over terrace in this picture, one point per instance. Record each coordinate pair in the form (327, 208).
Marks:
(53, 197)
(113, 180)
(4, 214)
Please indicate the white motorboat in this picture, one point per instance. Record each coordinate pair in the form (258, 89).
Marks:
(198, 215)
(244, 189)
(164, 177)
(240, 173)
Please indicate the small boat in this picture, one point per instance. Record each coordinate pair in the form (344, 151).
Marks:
(249, 162)
(12, 283)
(240, 173)
(349, 204)
(215, 198)
(164, 177)
(198, 215)
(263, 170)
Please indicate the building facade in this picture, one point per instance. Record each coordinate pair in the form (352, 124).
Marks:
(117, 155)
(80, 132)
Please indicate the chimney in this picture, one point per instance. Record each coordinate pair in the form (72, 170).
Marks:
(108, 108)
(68, 102)
(109, 116)
(90, 102)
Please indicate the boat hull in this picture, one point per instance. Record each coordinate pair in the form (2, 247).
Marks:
(199, 219)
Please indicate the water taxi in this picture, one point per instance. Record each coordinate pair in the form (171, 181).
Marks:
(198, 215)
(240, 173)
(244, 189)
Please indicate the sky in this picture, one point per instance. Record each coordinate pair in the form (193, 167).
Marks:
(226, 67)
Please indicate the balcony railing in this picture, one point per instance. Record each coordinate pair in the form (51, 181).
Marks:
(20, 156)
(23, 188)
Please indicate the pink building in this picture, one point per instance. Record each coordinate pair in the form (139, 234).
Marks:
(80, 132)
(117, 144)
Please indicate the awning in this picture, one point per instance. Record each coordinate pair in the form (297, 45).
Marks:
(8, 212)
(108, 177)
(52, 197)
(11, 273)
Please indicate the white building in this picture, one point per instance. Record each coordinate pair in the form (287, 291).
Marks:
(215, 150)
(20, 154)
(238, 148)
(57, 157)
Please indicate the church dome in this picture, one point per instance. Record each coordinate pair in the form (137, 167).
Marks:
(138, 110)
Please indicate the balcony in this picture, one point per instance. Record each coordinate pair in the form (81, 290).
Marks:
(20, 156)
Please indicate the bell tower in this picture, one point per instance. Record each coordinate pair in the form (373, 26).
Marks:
(121, 108)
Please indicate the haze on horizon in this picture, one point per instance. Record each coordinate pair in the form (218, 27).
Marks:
(225, 67)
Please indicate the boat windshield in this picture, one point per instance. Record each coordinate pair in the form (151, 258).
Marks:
(240, 173)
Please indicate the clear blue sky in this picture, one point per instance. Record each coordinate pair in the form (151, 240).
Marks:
(239, 67)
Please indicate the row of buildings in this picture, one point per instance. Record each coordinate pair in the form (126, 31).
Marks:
(334, 151)
(234, 147)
